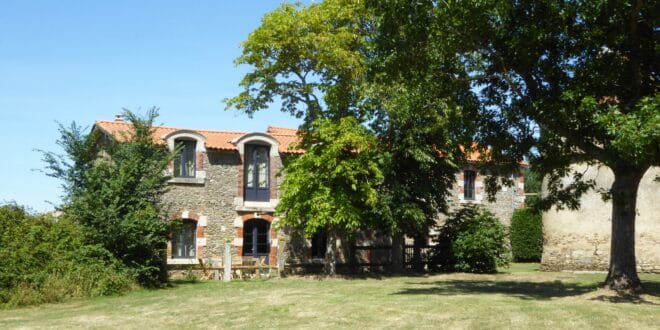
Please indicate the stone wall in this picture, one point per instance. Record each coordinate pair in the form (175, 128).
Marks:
(580, 240)
(507, 199)
(216, 204)
(211, 204)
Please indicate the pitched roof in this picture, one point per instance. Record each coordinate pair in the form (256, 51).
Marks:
(218, 140)
(281, 130)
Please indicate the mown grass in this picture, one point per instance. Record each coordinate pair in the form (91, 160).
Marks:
(518, 297)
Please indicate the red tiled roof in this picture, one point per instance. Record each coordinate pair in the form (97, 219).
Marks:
(281, 130)
(475, 154)
(218, 140)
(287, 142)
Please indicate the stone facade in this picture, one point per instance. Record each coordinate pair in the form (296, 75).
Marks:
(580, 240)
(210, 197)
(212, 202)
(507, 199)
(219, 202)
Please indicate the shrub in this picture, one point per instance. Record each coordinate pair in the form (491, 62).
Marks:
(44, 260)
(526, 235)
(116, 198)
(471, 240)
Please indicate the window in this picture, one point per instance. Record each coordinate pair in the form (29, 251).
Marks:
(468, 184)
(256, 242)
(183, 240)
(319, 242)
(257, 173)
(185, 162)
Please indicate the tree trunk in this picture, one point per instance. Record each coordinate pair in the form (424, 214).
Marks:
(398, 246)
(622, 275)
(418, 265)
(330, 260)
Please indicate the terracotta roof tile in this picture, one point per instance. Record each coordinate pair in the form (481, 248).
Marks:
(218, 140)
(281, 130)
(287, 142)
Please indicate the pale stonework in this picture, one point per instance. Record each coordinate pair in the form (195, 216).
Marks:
(580, 240)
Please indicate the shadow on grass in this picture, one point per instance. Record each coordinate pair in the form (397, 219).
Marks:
(528, 290)
(518, 289)
(624, 298)
(177, 282)
(651, 288)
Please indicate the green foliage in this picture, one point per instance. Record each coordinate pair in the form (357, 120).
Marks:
(533, 183)
(333, 185)
(312, 58)
(316, 60)
(47, 260)
(526, 234)
(420, 157)
(561, 82)
(115, 195)
(471, 240)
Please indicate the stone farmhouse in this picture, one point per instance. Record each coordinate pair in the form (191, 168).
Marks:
(224, 187)
(580, 240)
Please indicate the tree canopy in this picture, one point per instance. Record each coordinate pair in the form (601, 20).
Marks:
(555, 82)
(113, 192)
(319, 62)
(558, 81)
(312, 59)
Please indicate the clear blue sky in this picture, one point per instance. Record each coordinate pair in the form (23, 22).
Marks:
(65, 60)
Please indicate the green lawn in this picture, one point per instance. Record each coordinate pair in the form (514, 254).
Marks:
(519, 297)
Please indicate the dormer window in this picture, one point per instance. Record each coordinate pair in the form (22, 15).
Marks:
(185, 161)
(260, 156)
(257, 173)
(188, 165)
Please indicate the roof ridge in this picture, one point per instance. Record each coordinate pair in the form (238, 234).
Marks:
(275, 126)
(279, 134)
(175, 128)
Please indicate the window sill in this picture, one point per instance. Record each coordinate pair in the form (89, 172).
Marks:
(250, 206)
(181, 261)
(199, 181)
(470, 201)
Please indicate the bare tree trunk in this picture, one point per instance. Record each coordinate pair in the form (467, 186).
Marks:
(622, 275)
(330, 261)
(398, 243)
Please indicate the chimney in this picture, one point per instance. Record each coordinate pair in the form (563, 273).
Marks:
(119, 118)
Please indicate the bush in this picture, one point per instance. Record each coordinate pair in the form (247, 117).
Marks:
(526, 235)
(44, 260)
(115, 198)
(471, 240)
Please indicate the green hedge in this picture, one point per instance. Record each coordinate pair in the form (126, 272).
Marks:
(472, 240)
(526, 235)
(46, 260)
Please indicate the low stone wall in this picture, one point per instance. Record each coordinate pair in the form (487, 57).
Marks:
(580, 240)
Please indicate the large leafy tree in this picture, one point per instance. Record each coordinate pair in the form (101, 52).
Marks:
(113, 189)
(318, 61)
(332, 186)
(312, 60)
(309, 58)
(573, 81)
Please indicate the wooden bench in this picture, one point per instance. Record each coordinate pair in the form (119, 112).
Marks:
(249, 268)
